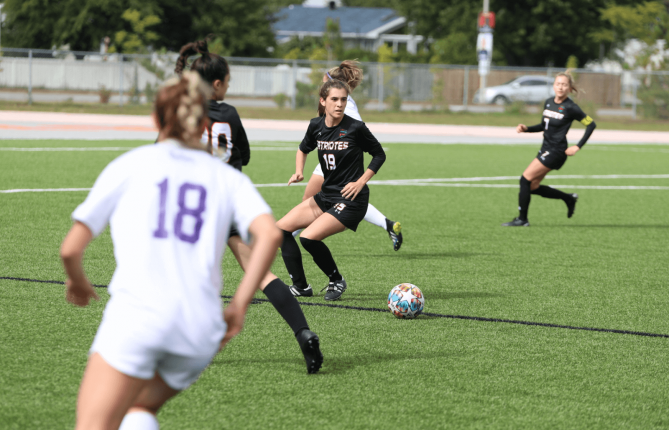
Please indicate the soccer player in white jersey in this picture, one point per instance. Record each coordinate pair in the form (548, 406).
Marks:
(349, 72)
(170, 207)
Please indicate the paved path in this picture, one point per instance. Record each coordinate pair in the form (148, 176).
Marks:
(49, 125)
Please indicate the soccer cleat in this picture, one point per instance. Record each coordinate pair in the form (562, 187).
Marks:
(394, 230)
(310, 346)
(517, 222)
(571, 205)
(301, 292)
(335, 290)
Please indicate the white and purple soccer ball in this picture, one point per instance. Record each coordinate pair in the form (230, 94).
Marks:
(406, 301)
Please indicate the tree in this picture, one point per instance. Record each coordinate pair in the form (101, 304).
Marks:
(139, 37)
(528, 32)
(244, 28)
(647, 22)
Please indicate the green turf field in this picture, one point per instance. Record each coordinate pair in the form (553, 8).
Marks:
(607, 268)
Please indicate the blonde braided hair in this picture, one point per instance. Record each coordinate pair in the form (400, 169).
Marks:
(181, 108)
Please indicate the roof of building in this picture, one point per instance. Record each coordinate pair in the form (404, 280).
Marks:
(358, 20)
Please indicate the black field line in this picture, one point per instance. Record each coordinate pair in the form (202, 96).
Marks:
(429, 314)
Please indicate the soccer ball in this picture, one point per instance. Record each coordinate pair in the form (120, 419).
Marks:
(406, 301)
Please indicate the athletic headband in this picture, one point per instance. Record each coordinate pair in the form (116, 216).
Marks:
(330, 77)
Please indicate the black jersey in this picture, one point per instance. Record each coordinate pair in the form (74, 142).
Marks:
(556, 122)
(340, 152)
(225, 132)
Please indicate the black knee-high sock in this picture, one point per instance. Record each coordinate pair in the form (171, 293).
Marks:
(292, 257)
(551, 193)
(286, 304)
(322, 257)
(524, 197)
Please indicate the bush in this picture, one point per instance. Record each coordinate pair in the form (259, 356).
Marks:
(360, 97)
(395, 101)
(105, 94)
(150, 92)
(307, 95)
(588, 107)
(281, 99)
(654, 96)
(516, 108)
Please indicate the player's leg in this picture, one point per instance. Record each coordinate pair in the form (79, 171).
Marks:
(394, 229)
(142, 415)
(312, 240)
(553, 193)
(283, 300)
(242, 253)
(313, 187)
(105, 395)
(299, 217)
(534, 171)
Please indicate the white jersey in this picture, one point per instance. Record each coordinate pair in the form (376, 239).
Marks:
(350, 110)
(169, 209)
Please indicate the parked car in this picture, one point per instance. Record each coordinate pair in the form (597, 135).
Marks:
(528, 89)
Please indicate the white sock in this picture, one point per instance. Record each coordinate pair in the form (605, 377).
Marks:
(296, 232)
(375, 217)
(139, 421)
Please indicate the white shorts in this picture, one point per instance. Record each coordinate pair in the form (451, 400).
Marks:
(318, 170)
(136, 353)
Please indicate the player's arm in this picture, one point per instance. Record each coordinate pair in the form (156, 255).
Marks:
(522, 128)
(242, 143)
(590, 126)
(91, 217)
(308, 144)
(371, 145)
(79, 288)
(300, 160)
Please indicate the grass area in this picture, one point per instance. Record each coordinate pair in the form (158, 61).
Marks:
(604, 268)
(422, 117)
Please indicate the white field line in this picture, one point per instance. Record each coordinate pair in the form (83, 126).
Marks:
(507, 178)
(42, 190)
(653, 150)
(67, 149)
(253, 148)
(446, 182)
(579, 187)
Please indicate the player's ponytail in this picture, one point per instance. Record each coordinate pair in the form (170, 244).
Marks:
(210, 66)
(181, 109)
(348, 71)
(572, 84)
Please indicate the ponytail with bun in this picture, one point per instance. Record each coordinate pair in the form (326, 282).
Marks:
(348, 71)
(211, 67)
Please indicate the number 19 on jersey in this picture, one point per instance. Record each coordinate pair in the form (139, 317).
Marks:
(330, 162)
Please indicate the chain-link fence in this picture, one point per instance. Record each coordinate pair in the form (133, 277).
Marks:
(51, 75)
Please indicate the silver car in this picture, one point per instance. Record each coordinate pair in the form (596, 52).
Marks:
(528, 89)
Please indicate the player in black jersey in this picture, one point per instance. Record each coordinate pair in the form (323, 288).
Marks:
(342, 201)
(350, 72)
(226, 138)
(558, 114)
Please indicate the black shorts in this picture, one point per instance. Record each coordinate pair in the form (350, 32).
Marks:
(233, 231)
(551, 158)
(347, 212)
